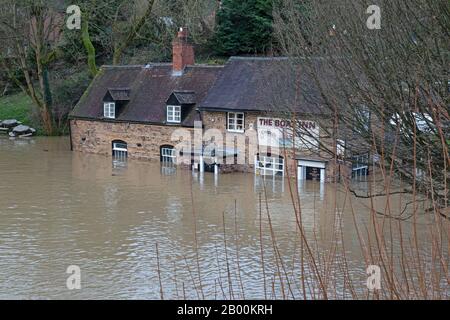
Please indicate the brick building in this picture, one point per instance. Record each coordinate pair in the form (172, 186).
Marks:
(242, 109)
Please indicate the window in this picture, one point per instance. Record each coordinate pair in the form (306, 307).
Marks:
(265, 165)
(311, 170)
(360, 165)
(168, 154)
(235, 121)
(174, 114)
(119, 150)
(109, 110)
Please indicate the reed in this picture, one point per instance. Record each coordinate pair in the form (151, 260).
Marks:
(410, 248)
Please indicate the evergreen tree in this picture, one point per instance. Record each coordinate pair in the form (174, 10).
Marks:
(244, 26)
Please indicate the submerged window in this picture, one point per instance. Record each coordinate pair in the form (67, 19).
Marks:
(266, 165)
(360, 165)
(174, 114)
(109, 110)
(235, 121)
(119, 150)
(168, 154)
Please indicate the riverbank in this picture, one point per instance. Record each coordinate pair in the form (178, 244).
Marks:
(20, 107)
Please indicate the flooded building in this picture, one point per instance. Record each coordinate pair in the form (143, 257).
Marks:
(249, 114)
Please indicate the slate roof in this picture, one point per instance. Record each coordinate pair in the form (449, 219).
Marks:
(120, 94)
(243, 84)
(149, 87)
(263, 84)
(185, 97)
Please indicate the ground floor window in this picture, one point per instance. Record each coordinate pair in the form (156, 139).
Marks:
(168, 154)
(119, 150)
(269, 165)
(360, 166)
(311, 170)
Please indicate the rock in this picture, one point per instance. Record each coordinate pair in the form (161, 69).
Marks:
(10, 123)
(21, 129)
(25, 135)
(16, 128)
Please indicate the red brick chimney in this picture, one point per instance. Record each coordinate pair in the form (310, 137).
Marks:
(183, 52)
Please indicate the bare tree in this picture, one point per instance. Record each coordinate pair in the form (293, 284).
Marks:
(200, 17)
(29, 30)
(124, 39)
(124, 24)
(385, 89)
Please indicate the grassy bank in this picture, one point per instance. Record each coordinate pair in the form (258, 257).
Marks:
(19, 106)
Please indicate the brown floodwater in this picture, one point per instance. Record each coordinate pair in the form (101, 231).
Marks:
(59, 208)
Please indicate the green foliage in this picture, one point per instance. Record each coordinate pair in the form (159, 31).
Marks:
(212, 61)
(20, 107)
(99, 15)
(17, 106)
(244, 27)
(66, 92)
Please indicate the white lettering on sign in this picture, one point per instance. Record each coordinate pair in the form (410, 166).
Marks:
(276, 132)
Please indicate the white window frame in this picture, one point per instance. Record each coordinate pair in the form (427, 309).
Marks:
(232, 122)
(303, 164)
(360, 165)
(120, 151)
(173, 114)
(109, 110)
(168, 155)
(265, 165)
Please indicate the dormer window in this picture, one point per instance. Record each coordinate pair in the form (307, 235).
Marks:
(109, 110)
(174, 114)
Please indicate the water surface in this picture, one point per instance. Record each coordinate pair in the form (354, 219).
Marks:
(59, 208)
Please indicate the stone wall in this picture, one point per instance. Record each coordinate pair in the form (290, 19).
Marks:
(218, 120)
(144, 141)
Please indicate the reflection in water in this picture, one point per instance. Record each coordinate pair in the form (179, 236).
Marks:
(168, 168)
(274, 183)
(59, 208)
